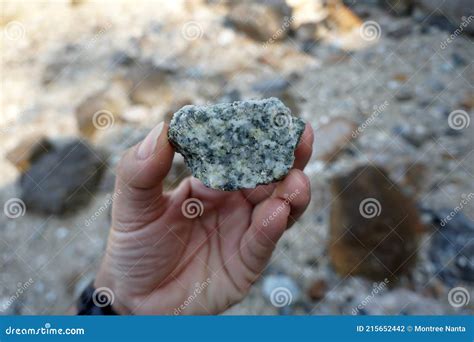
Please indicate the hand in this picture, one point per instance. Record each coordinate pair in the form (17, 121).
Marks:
(160, 260)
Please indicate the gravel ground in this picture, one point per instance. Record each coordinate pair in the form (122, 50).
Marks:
(56, 55)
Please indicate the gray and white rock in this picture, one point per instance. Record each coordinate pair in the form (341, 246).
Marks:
(237, 145)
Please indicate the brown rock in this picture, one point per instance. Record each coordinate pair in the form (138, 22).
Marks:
(468, 102)
(150, 85)
(101, 110)
(317, 291)
(342, 18)
(373, 226)
(331, 138)
(259, 21)
(27, 151)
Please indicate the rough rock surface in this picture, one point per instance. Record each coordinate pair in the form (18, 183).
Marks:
(237, 145)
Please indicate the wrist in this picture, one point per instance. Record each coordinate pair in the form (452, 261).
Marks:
(106, 292)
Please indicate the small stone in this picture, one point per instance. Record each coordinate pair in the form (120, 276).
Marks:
(457, 60)
(62, 180)
(373, 225)
(404, 94)
(101, 110)
(416, 135)
(27, 151)
(400, 31)
(258, 21)
(317, 291)
(135, 114)
(237, 145)
(332, 137)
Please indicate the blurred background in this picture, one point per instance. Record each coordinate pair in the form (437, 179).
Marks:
(386, 84)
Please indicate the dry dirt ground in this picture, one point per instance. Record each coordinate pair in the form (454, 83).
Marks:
(55, 55)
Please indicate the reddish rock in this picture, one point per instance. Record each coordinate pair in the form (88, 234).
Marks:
(317, 291)
(373, 225)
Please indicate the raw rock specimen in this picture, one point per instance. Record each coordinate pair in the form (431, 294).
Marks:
(237, 145)
(62, 180)
(373, 225)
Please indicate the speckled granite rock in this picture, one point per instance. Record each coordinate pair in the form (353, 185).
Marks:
(237, 145)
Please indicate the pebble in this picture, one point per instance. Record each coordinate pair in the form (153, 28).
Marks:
(318, 289)
(62, 179)
(259, 21)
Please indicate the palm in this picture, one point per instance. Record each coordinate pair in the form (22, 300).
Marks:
(185, 250)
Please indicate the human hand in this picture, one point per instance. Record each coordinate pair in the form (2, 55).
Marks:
(161, 259)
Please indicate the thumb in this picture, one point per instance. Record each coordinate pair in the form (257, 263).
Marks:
(142, 169)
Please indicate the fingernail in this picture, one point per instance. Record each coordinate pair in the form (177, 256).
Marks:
(148, 145)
